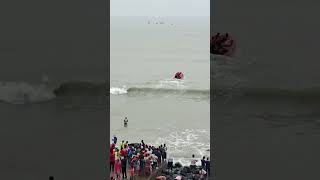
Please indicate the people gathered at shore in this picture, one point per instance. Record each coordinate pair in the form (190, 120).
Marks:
(140, 158)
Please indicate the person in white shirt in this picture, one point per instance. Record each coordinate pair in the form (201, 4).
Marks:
(193, 163)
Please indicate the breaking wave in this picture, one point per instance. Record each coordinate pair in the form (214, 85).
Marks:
(150, 90)
(186, 142)
(21, 93)
(24, 92)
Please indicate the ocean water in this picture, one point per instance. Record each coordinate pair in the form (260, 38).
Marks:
(53, 112)
(146, 52)
(267, 97)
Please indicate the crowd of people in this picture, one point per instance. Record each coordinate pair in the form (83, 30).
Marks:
(196, 171)
(140, 158)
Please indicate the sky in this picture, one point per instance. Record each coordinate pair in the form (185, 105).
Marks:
(160, 7)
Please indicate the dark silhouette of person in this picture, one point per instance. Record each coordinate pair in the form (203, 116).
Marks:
(207, 162)
(124, 167)
(203, 162)
(125, 122)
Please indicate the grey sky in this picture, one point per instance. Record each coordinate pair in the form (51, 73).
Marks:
(160, 7)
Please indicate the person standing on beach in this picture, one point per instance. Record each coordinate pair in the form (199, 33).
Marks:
(131, 171)
(208, 166)
(157, 152)
(203, 162)
(112, 161)
(123, 151)
(125, 122)
(142, 163)
(122, 144)
(193, 163)
(124, 167)
(147, 165)
(164, 147)
(117, 168)
(163, 153)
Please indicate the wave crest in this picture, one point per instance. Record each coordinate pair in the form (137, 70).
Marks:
(80, 88)
(150, 90)
(21, 93)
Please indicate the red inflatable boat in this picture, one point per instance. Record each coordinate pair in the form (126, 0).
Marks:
(179, 75)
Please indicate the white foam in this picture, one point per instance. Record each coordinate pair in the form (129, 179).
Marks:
(22, 92)
(171, 84)
(181, 145)
(118, 90)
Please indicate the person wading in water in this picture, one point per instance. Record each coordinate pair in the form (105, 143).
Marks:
(125, 122)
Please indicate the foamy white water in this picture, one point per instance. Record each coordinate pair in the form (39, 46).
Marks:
(22, 92)
(118, 90)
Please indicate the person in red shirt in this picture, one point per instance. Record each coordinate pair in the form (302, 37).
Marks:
(123, 151)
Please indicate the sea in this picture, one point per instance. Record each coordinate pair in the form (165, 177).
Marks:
(53, 96)
(145, 53)
(267, 96)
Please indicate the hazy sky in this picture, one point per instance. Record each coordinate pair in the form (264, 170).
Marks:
(160, 7)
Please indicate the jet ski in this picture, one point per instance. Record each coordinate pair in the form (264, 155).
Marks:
(222, 44)
(178, 75)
